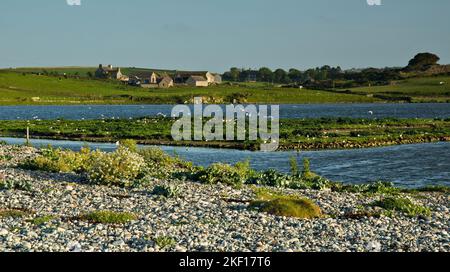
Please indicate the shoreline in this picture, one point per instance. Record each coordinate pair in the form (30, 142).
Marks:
(241, 146)
(203, 217)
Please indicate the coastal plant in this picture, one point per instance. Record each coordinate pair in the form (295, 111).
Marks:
(402, 205)
(119, 168)
(58, 161)
(14, 213)
(283, 205)
(272, 178)
(21, 185)
(38, 221)
(5, 157)
(227, 174)
(129, 144)
(167, 191)
(161, 165)
(294, 166)
(164, 242)
(108, 217)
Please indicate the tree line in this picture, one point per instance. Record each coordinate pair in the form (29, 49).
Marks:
(329, 76)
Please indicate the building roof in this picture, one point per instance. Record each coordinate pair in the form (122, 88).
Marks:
(165, 79)
(198, 78)
(193, 73)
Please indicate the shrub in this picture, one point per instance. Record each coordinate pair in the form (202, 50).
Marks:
(14, 213)
(130, 145)
(167, 191)
(225, 173)
(5, 157)
(3, 143)
(288, 206)
(294, 166)
(272, 178)
(108, 217)
(164, 242)
(38, 221)
(57, 160)
(402, 205)
(21, 185)
(119, 168)
(161, 165)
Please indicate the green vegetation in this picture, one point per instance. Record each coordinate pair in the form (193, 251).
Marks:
(126, 168)
(321, 133)
(30, 89)
(120, 168)
(402, 205)
(289, 206)
(423, 89)
(227, 174)
(21, 185)
(38, 221)
(14, 213)
(167, 191)
(108, 217)
(164, 242)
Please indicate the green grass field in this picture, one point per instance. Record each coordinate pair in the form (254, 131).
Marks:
(427, 89)
(29, 89)
(323, 133)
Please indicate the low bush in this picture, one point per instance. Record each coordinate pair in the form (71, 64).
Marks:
(38, 221)
(130, 145)
(272, 178)
(14, 213)
(108, 217)
(21, 185)
(58, 161)
(119, 168)
(164, 242)
(402, 205)
(168, 191)
(227, 174)
(289, 206)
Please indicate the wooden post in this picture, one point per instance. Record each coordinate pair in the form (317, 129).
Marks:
(28, 136)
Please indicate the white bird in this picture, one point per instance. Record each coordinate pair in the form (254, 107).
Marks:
(117, 143)
(371, 112)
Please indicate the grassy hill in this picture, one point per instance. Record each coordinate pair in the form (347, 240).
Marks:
(30, 89)
(425, 89)
(81, 71)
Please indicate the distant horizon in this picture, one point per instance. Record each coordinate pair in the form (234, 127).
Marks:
(239, 67)
(215, 35)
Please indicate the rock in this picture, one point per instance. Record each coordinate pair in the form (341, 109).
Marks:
(373, 246)
(74, 247)
(3, 232)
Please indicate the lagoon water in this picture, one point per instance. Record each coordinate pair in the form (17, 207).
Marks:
(409, 166)
(78, 112)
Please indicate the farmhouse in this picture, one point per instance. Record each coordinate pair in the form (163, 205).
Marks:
(184, 77)
(197, 81)
(109, 72)
(152, 80)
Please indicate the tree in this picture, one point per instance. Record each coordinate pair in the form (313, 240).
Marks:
(265, 74)
(422, 61)
(295, 75)
(280, 76)
(235, 74)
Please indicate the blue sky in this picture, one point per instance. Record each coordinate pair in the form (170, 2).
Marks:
(217, 34)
